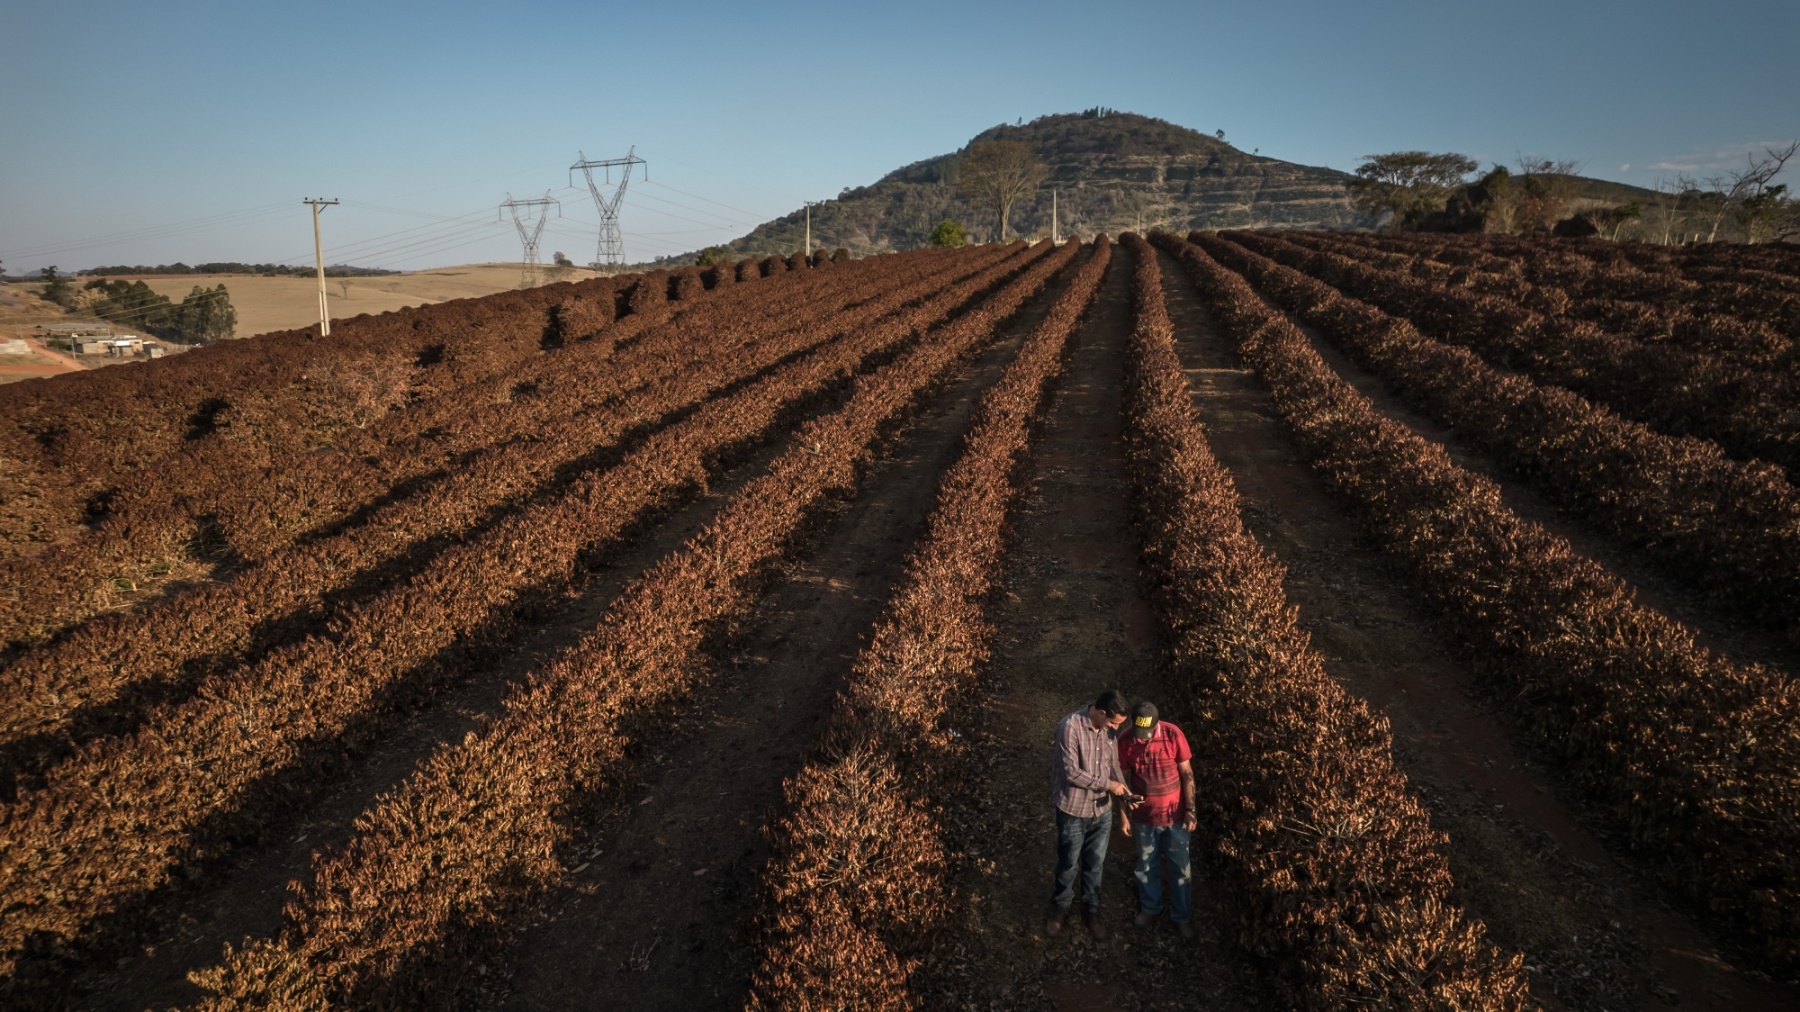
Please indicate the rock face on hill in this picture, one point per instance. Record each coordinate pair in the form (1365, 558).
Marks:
(1110, 171)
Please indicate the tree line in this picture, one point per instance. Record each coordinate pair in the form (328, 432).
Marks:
(1427, 191)
(232, 267)
(204, 316)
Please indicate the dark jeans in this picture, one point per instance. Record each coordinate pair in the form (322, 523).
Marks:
(1080, 846)
(1171, 844)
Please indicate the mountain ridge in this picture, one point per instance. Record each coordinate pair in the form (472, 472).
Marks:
(1110, 171)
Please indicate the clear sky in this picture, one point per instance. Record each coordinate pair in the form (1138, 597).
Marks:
(148, 133)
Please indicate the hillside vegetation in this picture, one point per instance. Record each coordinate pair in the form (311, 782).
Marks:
(1110, 171)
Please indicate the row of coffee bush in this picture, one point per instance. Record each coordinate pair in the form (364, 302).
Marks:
(1336, 876)
(1730, 527)
(395, 918)
(1670, 389)
(99, 677)
(124, 819)
(1695, 759)
(860, 883)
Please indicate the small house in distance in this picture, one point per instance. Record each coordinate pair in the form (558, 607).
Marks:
(89, 339)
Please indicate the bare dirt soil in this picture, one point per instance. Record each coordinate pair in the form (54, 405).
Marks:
(1526, 860)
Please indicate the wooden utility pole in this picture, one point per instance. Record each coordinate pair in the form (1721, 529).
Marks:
(808, 250)
(1055, 237)
(319, 257)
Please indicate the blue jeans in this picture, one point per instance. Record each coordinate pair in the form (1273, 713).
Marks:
(1080, 846)
(1171, 842)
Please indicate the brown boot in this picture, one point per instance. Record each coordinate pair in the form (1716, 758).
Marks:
(1054, 925)
(1095, 928)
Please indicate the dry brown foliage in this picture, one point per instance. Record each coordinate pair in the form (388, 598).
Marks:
(1672, 389)
(46, 693)
(1606, 285)
(1728, 526)
(438, 864)
(1337, 875)
(1694, 757)
(123, 817)
(858, 882)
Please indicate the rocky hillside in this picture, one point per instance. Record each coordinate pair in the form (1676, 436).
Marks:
(1110, 170)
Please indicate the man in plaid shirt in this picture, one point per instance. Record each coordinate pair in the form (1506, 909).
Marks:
(1084, 781)
(1158, 766)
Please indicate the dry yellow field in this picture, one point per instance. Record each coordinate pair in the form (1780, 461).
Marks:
(263, 304)
(282, 303)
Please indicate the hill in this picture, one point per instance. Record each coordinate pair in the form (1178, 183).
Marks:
(1110, 170)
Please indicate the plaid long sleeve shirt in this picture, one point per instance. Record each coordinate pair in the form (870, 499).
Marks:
(1086, 759)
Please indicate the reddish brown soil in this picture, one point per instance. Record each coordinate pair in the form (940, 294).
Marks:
(1527, 861)
(1072, 621)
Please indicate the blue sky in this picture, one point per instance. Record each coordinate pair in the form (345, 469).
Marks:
(150, 133)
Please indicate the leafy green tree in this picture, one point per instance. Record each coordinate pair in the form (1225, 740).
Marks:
(711, 255)
(205, 316)
(57, 288)
(1407, 185)
(997, 173)
(949, 234)
(134, 304)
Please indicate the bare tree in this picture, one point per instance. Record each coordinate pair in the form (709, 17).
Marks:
(1752, 196)
(1664, 215)
(1748, 194)
(997, 173)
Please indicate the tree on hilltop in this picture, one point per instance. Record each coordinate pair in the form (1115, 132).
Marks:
(1407, 184)
(997, 173)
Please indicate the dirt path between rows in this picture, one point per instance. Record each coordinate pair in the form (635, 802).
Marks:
(1526, 863)
(655, 917)
(1072, 620)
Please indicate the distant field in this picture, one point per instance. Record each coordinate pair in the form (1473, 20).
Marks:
(265, 303)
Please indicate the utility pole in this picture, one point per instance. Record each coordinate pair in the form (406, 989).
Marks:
(319, 257)
(808, 249)
(528, 274)
(611, 252)
(1055, 236)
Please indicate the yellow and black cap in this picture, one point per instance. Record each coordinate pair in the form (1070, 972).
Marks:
(1143, 720)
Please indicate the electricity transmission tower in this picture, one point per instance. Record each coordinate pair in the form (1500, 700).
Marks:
(528, 276)
(612, 244)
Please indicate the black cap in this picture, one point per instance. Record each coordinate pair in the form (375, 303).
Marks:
(1143, 720)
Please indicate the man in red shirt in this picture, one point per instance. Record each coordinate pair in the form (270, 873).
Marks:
(1157, 765)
